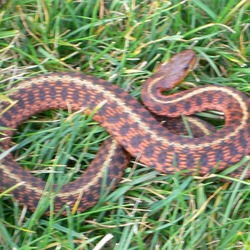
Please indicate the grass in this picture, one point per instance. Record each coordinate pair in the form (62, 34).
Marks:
(122, 42)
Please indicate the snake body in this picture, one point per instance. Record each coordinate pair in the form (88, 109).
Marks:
(132, 127)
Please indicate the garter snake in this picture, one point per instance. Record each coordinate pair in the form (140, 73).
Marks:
(134, 130)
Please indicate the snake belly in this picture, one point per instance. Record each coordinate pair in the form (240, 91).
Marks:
(132, 127)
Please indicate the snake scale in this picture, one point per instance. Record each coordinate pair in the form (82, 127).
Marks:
(135, 131)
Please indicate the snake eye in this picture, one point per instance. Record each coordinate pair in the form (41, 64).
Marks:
(187, 66)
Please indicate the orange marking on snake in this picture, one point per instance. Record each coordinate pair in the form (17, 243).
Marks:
(132, 127)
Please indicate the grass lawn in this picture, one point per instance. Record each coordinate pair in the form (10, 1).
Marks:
(122, 42)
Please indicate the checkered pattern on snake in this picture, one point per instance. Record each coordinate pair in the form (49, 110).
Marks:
(134, 130)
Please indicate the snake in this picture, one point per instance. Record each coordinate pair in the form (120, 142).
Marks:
(135, 131)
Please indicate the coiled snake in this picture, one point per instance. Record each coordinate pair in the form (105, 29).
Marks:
(132, 127)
